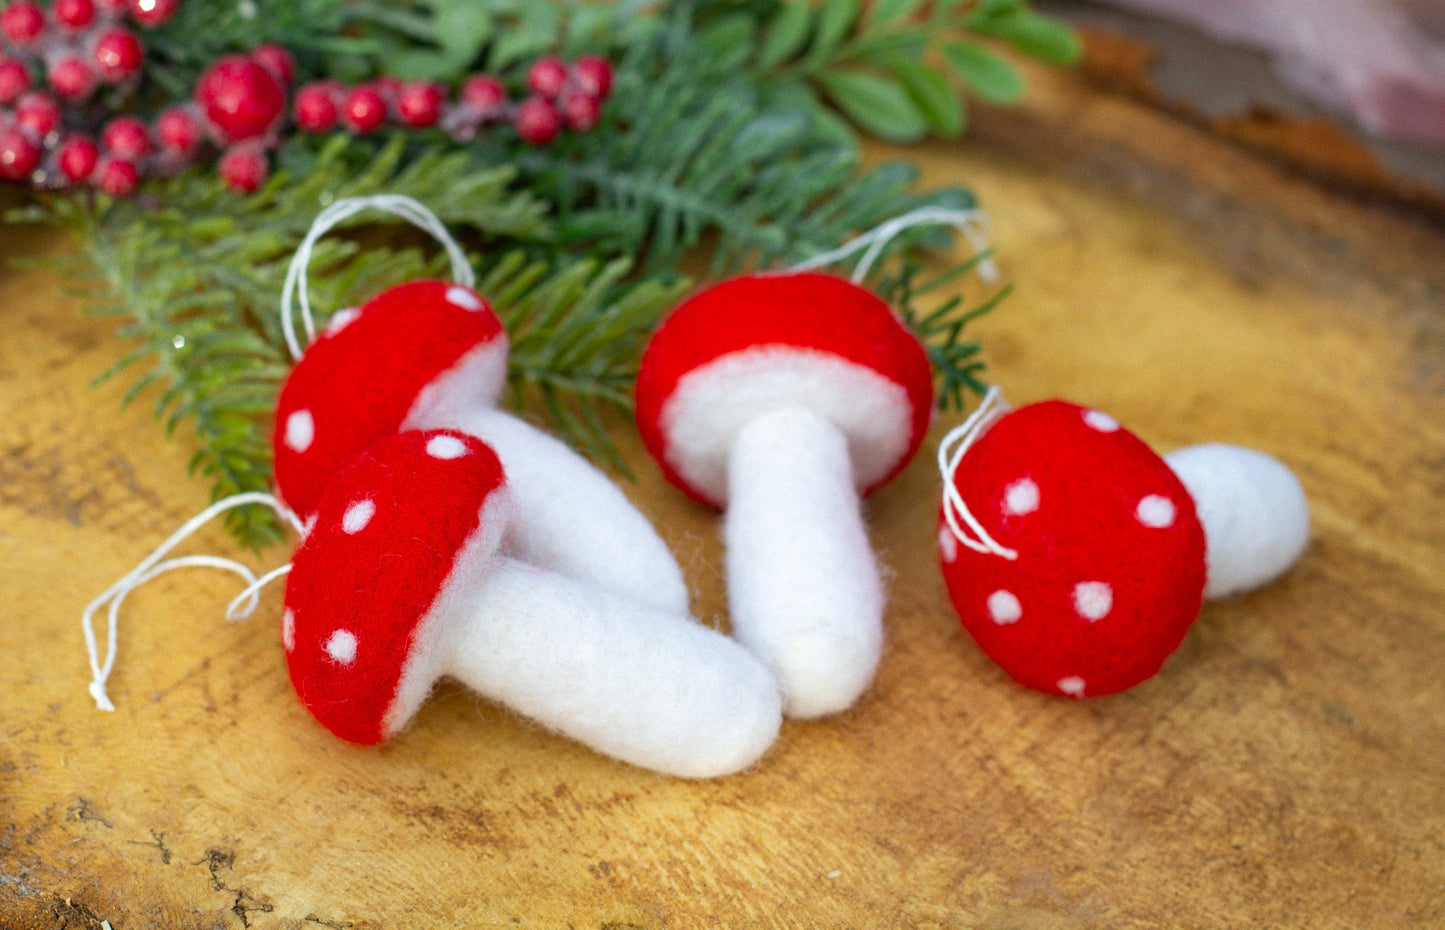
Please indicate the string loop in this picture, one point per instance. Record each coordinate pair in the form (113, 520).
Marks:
(153, 566)
(974, 225)
(950, 453)
(407, 208)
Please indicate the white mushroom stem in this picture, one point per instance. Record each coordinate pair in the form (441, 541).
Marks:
(803, 586)
(571, 518)
(1256, 521)
(647, 687)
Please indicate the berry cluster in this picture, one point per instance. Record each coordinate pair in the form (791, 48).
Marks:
(239, 108)
(559, 96)
(77, 47)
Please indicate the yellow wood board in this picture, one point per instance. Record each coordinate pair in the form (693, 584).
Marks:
(1287, 768)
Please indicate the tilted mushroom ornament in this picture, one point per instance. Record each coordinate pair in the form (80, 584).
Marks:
(433, 355)
(1077, 558)
(400, 581)
(783, 398)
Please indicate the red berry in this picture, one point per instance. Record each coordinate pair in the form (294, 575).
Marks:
(71, 77)
(112, 6)
(419, 104)
(537, 121)
(18, 154)
(76, 14)
(127, 137)
(579, 110)
(14, 80)
(151, 13)
(364, 109)
(77, 157)
(22, 22)
(116, 176)
(483, 92)
(547, 76)
(317, 106)
(243, 167)
(38, 113)
(117, 55)
(178, 131)
(276, 60)
(593, 74)
(240, 99)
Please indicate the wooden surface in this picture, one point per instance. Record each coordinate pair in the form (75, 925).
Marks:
(1287, 768)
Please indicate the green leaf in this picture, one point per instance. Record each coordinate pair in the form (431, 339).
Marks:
(728, 42)
(884, 12)
(879, 105)
(1044, 38)
(935, 98)
(462, 28)
(834, 21)
(986, 74)
(785, 34)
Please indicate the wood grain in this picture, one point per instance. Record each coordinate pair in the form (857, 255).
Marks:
(1285, 769)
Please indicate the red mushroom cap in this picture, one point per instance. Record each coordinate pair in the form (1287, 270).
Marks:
(397, 528)
(763, 342)
(1110, 567)
(407, 353)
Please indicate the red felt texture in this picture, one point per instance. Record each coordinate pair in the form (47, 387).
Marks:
(1086, 529)
(358, 383)
(376, 581)
(810, 310)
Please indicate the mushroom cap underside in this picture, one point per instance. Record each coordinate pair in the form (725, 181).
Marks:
(764, 342)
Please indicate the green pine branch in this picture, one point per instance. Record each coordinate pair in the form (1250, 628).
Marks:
(193, 273)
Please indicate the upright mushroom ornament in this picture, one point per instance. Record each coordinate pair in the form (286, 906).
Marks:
(1078, 558)
(784, 398)
(401, 580)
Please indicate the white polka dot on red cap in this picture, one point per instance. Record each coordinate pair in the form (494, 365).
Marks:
(1021, 497)
(445, 447)
(463, 298)
(1072, 685)
(1156, 511)
(341, 646)
(1093, 600)
(358, 515)
(288, 630)
(342, 319)
(1101, 421)
(300, 430)
(1004, 607)
(947, 545)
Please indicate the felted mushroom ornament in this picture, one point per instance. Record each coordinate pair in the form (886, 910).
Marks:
(401, 580)
(1078, 558)
(783, 399)
(432, 355)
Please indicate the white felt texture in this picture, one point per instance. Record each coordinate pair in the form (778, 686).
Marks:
(803, 586)
(1255, 517)
(712, 403)
(648, 687)
(476, 380)
(570, 517)
(429, 655)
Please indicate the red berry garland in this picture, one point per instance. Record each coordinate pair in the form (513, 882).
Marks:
(240, 103)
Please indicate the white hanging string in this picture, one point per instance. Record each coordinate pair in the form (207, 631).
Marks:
(405, 207)
(972, 223)
(153, 566)
(950, 453)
